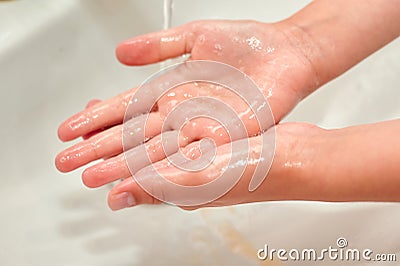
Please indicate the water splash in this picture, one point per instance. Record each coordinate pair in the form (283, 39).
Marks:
(167, 10)
(168, 7)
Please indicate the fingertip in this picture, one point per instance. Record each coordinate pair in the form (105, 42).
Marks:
(62, 133)
(135, 52)
(127, 54)
(119, 54)
(93, 178)
(120, 201)
(111, 203)
(88, 180)
(62, 163)
(129, 185)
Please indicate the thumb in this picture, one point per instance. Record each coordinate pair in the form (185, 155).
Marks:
(157, 46)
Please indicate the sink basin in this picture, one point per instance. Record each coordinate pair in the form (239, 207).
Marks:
(57, 55)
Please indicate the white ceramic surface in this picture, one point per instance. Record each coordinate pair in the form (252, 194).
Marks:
(56, 55)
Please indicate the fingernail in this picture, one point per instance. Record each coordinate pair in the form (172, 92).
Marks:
(122, 200)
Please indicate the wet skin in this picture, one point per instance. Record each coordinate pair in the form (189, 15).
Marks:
(287, 60)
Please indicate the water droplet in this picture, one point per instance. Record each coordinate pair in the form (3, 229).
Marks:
(64, 158)
(254, 43)
(270, 49)
(218, 49)
(201, 39)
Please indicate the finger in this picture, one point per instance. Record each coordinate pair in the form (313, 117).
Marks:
(128, 193)
(109, 142)
(158, 46)
(127, 164)
(102, 114)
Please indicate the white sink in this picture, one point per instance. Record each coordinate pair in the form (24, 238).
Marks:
(56, 55)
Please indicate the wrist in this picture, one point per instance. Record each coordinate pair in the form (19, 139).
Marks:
(291, 176)
(335, 37)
